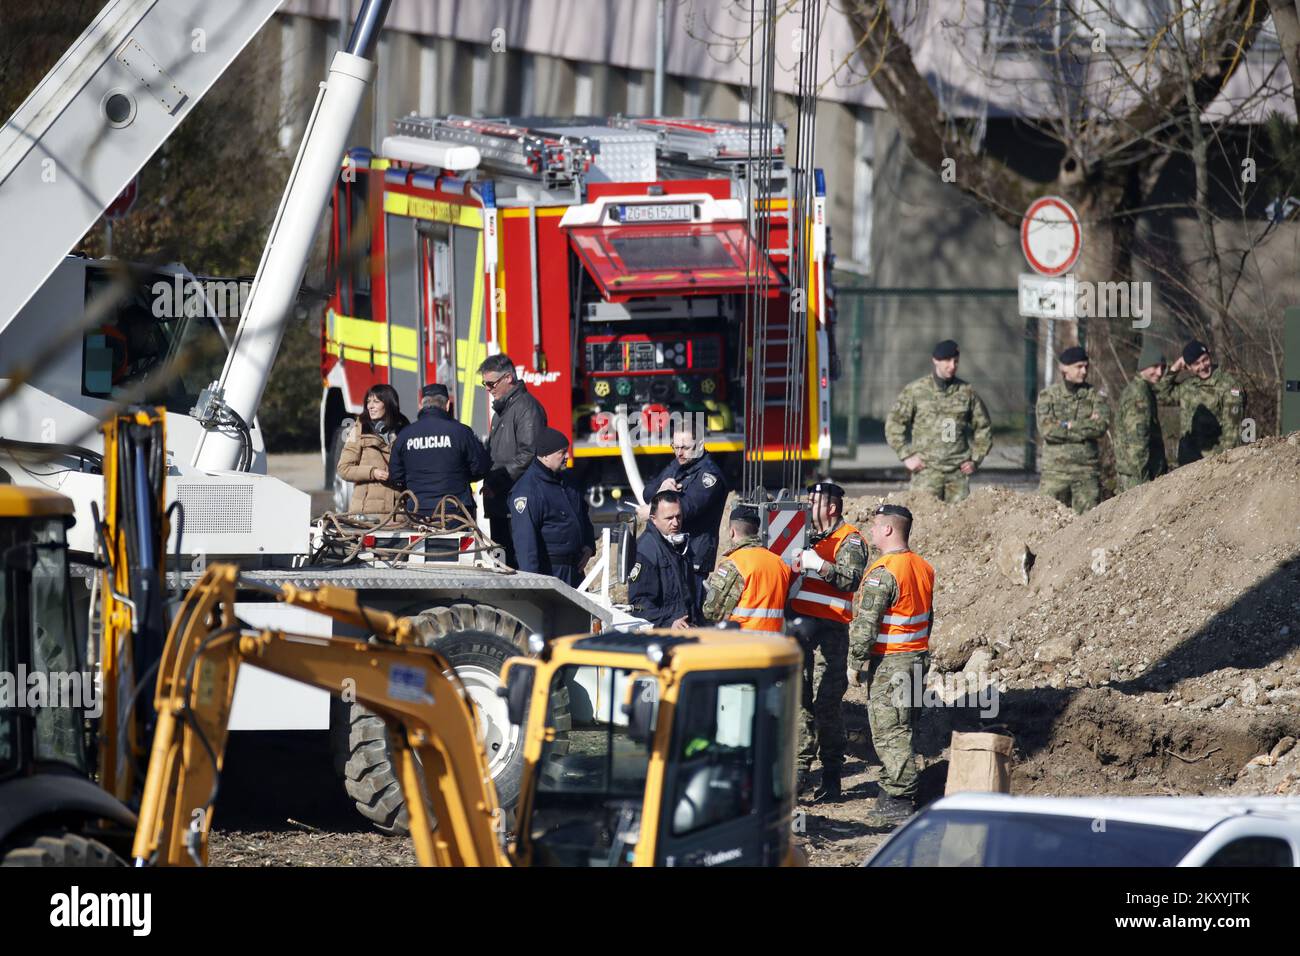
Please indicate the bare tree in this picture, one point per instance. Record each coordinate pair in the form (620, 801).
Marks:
(1286, 20)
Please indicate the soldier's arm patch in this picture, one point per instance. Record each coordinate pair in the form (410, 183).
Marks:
(709, 480)
(521, 504)
(636, 571)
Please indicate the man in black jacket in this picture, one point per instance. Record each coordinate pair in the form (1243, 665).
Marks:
(517, 418)
(662, 584)
(548, 518)
(696, 477)
(436, 456)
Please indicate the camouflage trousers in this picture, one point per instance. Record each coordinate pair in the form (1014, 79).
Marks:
(825, 679)
(1080, 490)
(895, 683)
(949, 486)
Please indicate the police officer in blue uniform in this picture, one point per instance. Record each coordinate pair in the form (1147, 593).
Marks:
(662, 583)
(698, 479)
(436, 456)
(549, 523)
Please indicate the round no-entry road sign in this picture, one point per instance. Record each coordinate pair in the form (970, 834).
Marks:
(1050, 236)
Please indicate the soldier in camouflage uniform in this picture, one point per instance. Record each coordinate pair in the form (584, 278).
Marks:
(889, 651)
(1072, 417)
(828, 574)
(1212, 404)
(751, 583)
(940, 428)
(1138, 440)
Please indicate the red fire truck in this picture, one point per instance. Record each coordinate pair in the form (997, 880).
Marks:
(614, 260)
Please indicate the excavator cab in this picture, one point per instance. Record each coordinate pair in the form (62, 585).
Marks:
(658, 748)
(51, 812)
(38, 636)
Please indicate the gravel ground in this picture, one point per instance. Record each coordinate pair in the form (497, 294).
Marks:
(280, 805)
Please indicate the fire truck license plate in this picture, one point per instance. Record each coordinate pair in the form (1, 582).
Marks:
(657, 212)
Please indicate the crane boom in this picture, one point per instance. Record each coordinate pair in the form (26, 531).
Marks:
(234, 398)
(95, 119)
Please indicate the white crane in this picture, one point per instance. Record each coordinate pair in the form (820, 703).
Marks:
(232, 401)
(113, 98)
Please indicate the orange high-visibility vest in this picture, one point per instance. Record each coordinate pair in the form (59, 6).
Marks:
(813, 595)
(905, 625)
(767, 582)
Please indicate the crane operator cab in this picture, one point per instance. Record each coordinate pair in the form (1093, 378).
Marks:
(659, 748)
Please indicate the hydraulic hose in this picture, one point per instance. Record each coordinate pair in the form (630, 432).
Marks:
(625, 452)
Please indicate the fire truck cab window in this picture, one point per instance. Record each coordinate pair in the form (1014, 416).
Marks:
(350, 249)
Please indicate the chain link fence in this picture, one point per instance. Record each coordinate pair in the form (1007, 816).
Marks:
(885, 336)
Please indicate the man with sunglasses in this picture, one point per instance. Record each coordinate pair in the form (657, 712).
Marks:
(696, 477)
(517, 419)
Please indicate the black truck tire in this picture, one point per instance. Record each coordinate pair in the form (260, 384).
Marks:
(60, 849)
(476, 640)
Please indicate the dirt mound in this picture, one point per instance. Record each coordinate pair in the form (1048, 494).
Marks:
(1181, 598)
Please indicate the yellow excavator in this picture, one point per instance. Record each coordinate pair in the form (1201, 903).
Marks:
(51, 811)
(657, 748)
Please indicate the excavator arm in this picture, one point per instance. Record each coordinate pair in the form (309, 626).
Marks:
(431, 721)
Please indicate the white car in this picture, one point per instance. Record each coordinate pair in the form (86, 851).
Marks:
(996, 829)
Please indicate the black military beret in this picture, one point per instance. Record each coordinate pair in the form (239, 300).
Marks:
(744, 513)
(1073, 355)
(826, 488)
(434, 390)
(549, 441)
(945, 350)
(896, 510)
(1192, 351)
(1151, 355)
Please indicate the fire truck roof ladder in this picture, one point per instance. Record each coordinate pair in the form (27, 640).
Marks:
(710, 141)
(504, 148)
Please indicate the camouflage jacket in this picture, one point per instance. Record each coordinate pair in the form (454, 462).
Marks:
(1210, 410)
(726, 584)
(1137, 437)
(850, 560)
(945, 426)
(879, 592)
(1071, 435)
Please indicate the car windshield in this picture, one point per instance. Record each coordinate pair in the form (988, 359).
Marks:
(972, 838)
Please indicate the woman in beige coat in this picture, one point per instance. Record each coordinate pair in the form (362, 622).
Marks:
(364, 460)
